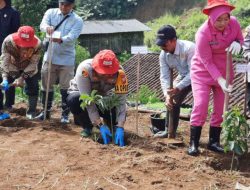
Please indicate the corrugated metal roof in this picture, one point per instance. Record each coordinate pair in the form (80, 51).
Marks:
(113, 26)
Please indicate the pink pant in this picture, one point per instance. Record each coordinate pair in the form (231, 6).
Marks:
(201, 94)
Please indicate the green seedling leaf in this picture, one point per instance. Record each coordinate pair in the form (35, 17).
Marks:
(235, 132)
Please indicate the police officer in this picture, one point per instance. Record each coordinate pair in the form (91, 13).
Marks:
(102, 73)
(21, 52)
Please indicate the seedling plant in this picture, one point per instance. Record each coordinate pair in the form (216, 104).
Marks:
(104, 103)
(235, 133)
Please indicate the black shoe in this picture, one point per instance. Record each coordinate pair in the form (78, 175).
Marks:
(214, 140)
(195, 133)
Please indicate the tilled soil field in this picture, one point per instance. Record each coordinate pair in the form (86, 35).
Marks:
(49, 155)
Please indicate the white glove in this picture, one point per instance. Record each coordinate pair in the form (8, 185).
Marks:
(19, 82)
(222, 83)
(234, 48)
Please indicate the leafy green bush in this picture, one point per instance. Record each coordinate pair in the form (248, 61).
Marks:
(242, 12)
(145, 95)
(124, 56)
(81, 54)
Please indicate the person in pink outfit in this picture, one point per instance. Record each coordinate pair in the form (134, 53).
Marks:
(219, 33)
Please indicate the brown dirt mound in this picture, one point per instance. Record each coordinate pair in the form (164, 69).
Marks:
(48, 155)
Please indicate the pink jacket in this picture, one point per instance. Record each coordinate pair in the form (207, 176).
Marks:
(209, 60)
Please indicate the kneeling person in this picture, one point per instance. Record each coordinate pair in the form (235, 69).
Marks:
(19, 60)
(102, 73)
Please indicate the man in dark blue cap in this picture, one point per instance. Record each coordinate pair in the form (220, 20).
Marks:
(68, 26)
(175, 54)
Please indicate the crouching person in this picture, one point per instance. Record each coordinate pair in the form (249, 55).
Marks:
(102, 73)
(18, 64)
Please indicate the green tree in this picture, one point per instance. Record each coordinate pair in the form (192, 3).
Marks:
(108, 9)
(31, 11)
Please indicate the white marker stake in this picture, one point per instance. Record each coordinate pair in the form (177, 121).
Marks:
(137, 92)
(138, 50)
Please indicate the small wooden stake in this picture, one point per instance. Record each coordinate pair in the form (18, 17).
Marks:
(137, 91)
(226, 101)
(50, 53)
(170, 112)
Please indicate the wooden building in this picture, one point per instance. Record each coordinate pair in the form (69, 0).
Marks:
(118, 35)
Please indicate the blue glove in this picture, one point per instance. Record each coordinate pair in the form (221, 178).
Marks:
(4, 116)
(119, 136)
(106, 135)
(5, 85)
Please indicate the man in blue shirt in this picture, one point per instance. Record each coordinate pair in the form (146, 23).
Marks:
(175, 54)
(63, 53)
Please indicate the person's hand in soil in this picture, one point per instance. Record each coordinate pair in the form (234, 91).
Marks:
(119, 136)
(106, 134)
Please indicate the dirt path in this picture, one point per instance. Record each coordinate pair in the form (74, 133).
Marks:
(47, 155)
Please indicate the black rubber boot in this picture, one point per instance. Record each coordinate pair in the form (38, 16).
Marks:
(195, 134)
(10, 97)
(214, 140)
(65, 108)
(32, 103)
(49, 105)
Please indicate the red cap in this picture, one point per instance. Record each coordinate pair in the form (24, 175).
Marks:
(105, 62)
(25, 37)
(214, 3)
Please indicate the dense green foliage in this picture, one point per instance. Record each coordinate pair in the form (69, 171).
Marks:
(81, 54)
(188, 23)
(31, 11)
(108, 9)
(242, 12)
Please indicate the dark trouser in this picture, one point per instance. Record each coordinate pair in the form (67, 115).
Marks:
(31, 89)
(74, 106)
(178, 99)
(248, 96)
(65, 108)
